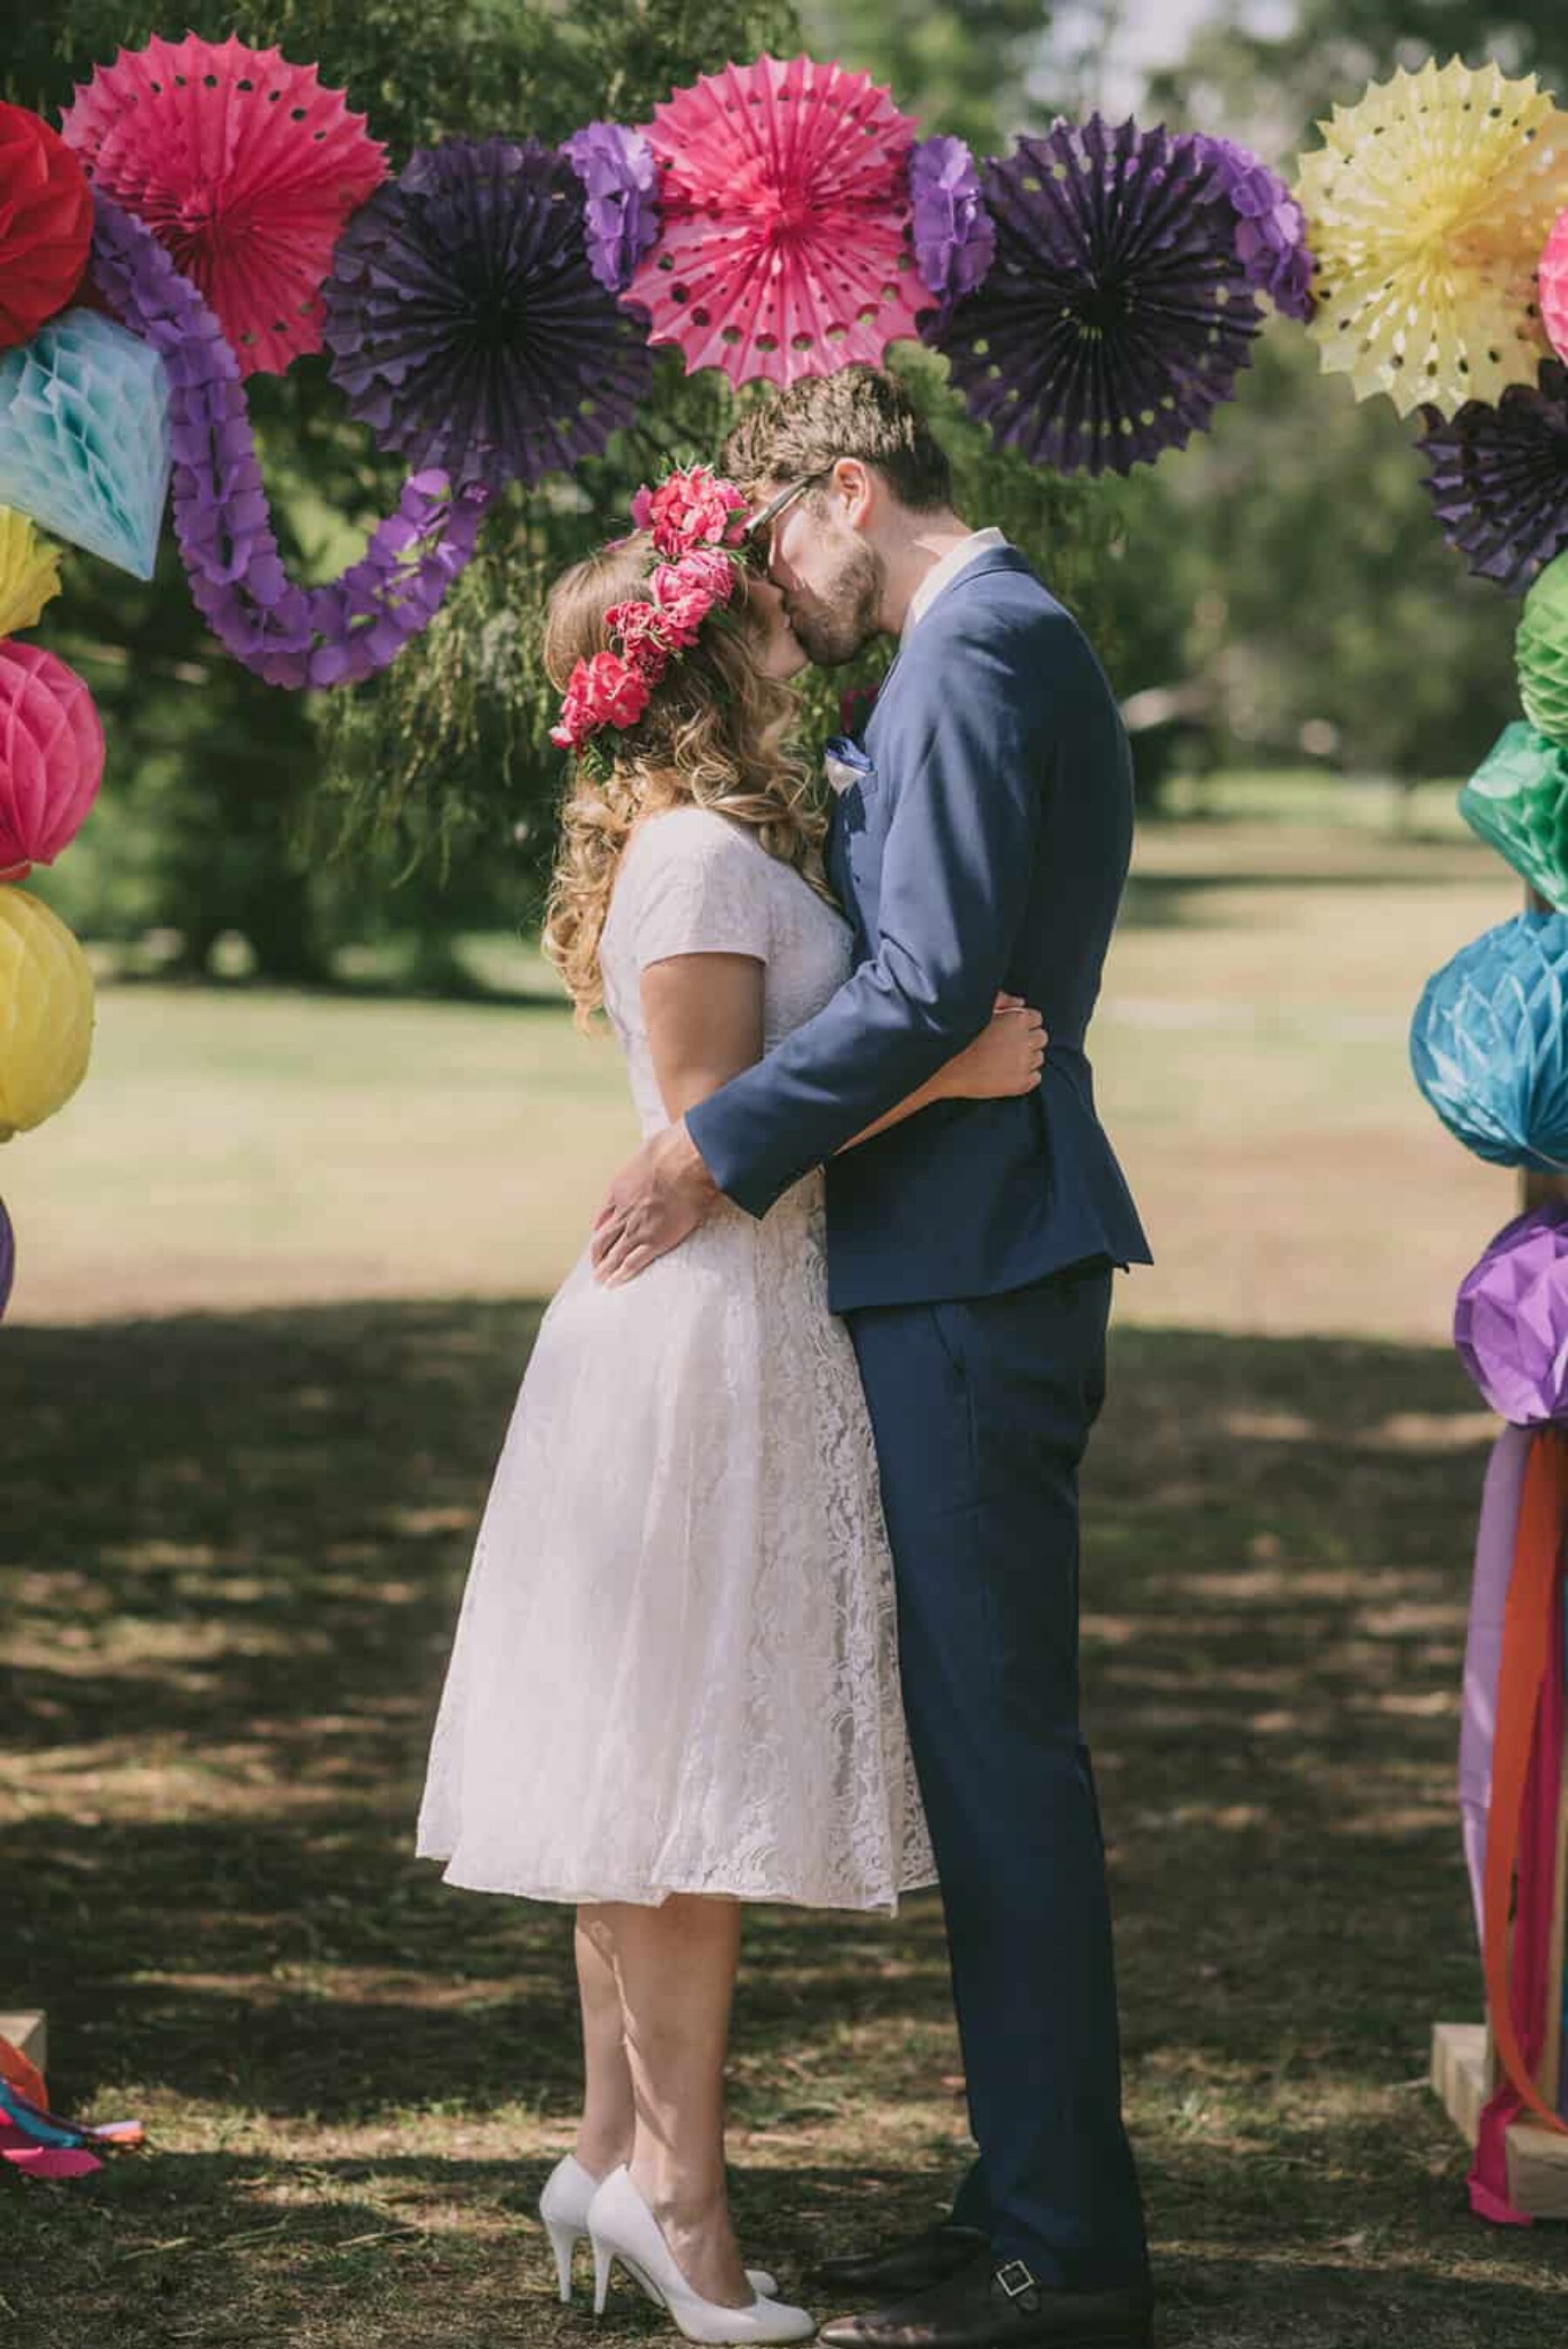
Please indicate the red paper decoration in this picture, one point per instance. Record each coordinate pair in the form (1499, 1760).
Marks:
(46, 223)
(51, 757)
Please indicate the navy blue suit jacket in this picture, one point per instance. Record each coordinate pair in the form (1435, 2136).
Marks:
(987, 849)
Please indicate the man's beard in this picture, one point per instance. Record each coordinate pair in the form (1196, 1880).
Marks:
(842, 623)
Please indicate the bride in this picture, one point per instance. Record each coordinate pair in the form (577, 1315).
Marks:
(674, 1684)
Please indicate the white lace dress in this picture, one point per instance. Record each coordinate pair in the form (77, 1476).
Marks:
(676, 1665)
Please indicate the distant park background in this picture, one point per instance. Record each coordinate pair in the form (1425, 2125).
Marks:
(282, 1256)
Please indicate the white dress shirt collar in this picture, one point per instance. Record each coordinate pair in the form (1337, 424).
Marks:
(943, 572)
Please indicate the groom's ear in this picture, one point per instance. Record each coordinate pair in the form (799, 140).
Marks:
(853, 488)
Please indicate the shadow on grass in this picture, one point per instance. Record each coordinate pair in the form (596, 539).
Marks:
(232, 1549)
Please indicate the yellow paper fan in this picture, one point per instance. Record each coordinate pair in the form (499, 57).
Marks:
(29, 572)
(1426, 207)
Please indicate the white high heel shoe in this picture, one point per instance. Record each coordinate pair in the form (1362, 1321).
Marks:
(563, 2210)
(622, 2226)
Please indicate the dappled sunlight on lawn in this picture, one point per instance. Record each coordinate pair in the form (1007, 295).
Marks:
(234, 1546)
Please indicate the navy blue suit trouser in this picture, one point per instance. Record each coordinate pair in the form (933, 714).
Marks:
(982, 1409)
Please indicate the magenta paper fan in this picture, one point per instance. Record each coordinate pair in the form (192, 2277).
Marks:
(244, 169)
(1552, 278)
(784, 247)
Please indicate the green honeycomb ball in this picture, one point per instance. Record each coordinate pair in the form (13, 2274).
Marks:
(1541, 649)
(1518, 799)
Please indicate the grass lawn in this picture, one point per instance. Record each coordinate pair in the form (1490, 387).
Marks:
(282, 1263)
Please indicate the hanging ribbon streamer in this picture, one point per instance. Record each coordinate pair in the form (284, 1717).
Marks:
(1494, 1546)
(1527, 1761)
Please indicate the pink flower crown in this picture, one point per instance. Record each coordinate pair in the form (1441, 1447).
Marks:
(695, 517)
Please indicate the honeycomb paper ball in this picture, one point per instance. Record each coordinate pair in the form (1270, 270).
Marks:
(45, 1013)
(1518, 799)
(1488, 1044)
(1511, 1317)
(51, 756)
(1540, 651)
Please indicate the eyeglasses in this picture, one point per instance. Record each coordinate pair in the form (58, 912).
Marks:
(757, 543)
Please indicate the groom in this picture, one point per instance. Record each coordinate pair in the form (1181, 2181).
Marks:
(983, 846)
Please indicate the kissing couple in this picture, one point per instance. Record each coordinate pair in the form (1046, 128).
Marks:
(775, 1595)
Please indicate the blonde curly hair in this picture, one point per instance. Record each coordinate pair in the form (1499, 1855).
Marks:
(715, 734)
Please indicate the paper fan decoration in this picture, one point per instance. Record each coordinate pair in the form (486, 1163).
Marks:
(1488, 1044)
(620, 189)
(51, 757)
(45, 1013)
(1553, 277)
(84, 437)
(7, 1258)
(331, 635)
(1117, 313)
(1499, 479)
(466, 326)
(29, 573)
(1510, 1318)
(1426, 209)
(46, 223)
(783, 248)
(1540, 652)
(1518, 800)
(244, 167)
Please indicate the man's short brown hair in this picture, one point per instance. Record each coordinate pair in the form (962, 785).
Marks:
(858, 412)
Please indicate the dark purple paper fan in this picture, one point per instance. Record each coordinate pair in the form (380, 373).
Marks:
(7, 1258)
(466, 326)
(1499, 480)
(1117, 313)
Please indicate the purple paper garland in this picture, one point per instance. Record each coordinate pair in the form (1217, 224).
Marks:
(954, 235)
(620, 188)
(1271, 229)
(336, 634)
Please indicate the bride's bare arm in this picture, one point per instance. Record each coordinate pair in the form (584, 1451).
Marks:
(704, 1021)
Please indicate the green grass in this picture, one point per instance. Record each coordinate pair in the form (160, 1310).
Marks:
(235, 1533)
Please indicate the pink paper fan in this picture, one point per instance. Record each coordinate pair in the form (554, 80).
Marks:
(242, 167)
(784, 245)
(1553, 285)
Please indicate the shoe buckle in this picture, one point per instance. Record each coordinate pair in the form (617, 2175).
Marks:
(1015, 2279)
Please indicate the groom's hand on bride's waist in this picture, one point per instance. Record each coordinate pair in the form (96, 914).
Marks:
(658, 1199)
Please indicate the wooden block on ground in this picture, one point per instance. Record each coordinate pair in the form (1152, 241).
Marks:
(1464, 2076)
(28, 2031)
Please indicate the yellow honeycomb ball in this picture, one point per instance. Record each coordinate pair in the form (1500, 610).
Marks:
(46, 1013)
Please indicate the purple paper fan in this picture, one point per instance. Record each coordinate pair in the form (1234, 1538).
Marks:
(466, 326)
(620, 188)
(954, 239)
(7, 1258)
(1499, 481)
(1271, 229)
(1117, 313)
(336, 633)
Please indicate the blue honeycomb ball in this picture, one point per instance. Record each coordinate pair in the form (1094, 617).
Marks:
(1488, 1044)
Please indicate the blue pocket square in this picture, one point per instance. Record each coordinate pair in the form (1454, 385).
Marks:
(845, 763)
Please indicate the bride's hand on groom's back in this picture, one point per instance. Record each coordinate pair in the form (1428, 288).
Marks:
(1006, 1057)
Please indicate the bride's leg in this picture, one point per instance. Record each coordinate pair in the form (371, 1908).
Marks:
(605, 2131)
(676, 1968)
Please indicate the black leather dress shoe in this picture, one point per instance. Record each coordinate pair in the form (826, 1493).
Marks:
(912, 2265)
(989, 2307)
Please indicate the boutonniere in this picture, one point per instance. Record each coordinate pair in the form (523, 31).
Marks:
(855, 705)
(844, 761)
